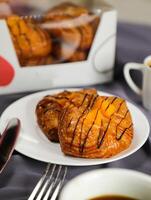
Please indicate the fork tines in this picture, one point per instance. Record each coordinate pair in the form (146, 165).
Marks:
(50, 183)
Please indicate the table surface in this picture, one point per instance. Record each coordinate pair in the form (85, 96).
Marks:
(22, 173)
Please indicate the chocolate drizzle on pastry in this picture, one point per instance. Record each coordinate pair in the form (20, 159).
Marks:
(68, 29)
(49, 108)
(88, 107)
(89, 125)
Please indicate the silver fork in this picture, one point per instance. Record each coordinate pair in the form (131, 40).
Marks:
(49, 185)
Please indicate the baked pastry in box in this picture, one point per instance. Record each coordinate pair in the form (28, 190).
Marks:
(69, 45)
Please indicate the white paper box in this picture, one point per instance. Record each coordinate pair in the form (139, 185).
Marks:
(98, 68)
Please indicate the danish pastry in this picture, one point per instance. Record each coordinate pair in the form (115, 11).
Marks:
(50, 107)
(72, 31)
(68, 9)
(99, 128)
(29, 40)
(67, 28)
(87, 35)
(66, 41)
(37, 61)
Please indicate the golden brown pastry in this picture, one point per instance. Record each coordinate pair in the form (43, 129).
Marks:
(68, 29)
(66, 42)
(99, 128)
(72, 31)
(68, 9)
(95, 22)
(78, 56)
(30, 41)
(50, 107)
(37, 61)
(87, 35)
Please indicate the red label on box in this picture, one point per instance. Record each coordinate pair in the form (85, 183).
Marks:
(6, 72)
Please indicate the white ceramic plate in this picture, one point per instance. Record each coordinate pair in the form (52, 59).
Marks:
(33, 143)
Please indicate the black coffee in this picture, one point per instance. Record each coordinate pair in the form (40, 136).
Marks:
(113, 197)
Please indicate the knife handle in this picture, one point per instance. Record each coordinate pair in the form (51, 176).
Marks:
(8, 140)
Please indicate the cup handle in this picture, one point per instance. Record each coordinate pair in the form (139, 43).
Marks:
(128, 78)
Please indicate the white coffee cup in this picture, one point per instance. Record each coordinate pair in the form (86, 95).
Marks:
(145, 68)
(111, 181)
